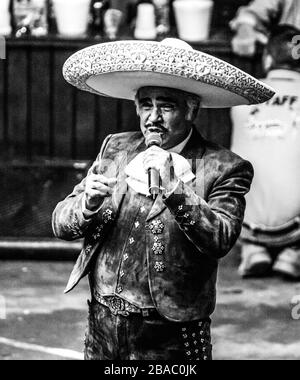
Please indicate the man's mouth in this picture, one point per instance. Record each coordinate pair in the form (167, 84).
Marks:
(155, 129)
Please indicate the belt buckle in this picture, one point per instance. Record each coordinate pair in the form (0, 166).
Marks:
(117, 305)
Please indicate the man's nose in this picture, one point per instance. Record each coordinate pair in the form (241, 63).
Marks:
(155, 115)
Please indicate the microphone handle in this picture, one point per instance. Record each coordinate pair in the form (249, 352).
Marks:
(154, 182)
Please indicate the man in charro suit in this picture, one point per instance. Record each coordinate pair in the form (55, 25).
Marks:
(152, 261)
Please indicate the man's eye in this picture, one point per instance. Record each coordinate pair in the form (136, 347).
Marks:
(146, 106)
(168, 107)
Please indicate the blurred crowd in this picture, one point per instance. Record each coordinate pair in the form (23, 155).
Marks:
(269, 136)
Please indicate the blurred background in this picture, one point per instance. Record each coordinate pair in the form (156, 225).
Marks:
(50, 132)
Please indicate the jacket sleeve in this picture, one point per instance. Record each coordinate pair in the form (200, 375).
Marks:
(68, 221)
(259, 13)
(213, 226)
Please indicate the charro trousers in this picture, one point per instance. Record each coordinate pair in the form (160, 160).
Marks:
(115, 337)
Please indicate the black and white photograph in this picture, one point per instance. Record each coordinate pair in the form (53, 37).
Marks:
(149, 182)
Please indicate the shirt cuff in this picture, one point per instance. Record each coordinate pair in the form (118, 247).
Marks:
(88, 214)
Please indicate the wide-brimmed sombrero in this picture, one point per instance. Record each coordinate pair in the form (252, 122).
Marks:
(119, 69)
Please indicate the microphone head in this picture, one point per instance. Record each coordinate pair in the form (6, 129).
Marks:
(154, 138)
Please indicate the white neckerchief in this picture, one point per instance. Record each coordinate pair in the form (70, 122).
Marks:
(137, 178)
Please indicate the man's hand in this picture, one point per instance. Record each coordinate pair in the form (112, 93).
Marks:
(244, 43)
(161, 160)
(97, 188)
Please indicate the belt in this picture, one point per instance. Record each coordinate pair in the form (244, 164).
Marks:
(119, 306)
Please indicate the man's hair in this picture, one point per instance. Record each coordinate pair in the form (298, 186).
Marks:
(281, 47)
(193, 103)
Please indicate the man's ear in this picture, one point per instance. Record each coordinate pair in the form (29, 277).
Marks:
(137, 108)
(190, 114)
(267, 62)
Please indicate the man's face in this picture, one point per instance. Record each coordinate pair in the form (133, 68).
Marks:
(164, 109)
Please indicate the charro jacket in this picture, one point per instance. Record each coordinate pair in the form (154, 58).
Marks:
(199, 223)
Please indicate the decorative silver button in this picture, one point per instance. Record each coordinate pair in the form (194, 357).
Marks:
(137, 224)
(159, 266)
(120, 289)
(88, 249)
(131, 240)
(107, 216)
(96, 236)
(125, 257)
(157, 227)
(122, 274)
(143, 209)
(180, 208)
(158, 248)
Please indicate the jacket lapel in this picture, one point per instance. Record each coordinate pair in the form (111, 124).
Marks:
(157, 208)
(194, 150)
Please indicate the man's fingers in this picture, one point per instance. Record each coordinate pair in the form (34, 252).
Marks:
(99, 178)
(151, 164)
(154, 148)
(111, 182)
(101, 188)
(102, 193)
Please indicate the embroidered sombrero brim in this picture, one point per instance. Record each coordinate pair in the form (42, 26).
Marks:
(119, 69)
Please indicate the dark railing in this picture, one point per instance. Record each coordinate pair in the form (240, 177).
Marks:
(42, 116)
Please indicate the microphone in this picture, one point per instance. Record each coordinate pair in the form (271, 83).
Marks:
(154, 180)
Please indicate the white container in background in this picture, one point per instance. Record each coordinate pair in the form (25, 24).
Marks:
(145, 22)
(5, 27)
(193, 19)
(72, 16)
